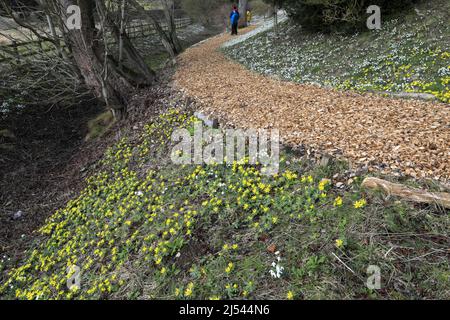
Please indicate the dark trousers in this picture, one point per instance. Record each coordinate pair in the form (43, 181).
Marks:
(234, 29)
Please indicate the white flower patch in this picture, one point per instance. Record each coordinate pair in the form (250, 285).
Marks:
(278, 269)
(442, 72)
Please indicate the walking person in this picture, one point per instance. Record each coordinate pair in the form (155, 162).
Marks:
(249, 17)
(234, 19)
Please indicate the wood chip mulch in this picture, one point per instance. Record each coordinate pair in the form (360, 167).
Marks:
(390, 135)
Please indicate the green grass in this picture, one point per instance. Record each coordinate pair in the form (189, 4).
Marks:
(146, 228)
(100, 125)
(156, 61)
(411, 53)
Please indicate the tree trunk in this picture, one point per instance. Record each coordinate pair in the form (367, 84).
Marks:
(122, 31)
(275, 19)
(89, 53)
(141, 73)
(243, 13)
(172, 27)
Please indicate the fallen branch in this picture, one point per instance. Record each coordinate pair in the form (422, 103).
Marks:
(416, 195)
(409, 95)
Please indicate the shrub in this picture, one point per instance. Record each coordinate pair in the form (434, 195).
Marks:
(329, 15)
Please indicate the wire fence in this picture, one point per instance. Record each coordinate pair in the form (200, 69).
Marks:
(17, 51)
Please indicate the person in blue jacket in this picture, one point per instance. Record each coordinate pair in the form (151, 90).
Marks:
(234, 19)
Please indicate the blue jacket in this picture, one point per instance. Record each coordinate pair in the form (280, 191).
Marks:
(234, 17)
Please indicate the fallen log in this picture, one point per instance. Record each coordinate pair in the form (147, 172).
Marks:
(416, 195)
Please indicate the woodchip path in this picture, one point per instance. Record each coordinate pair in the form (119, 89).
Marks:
(391, 135)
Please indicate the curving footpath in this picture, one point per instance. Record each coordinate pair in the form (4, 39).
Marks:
(391, 135)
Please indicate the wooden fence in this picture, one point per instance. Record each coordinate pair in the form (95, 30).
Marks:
(16, 51)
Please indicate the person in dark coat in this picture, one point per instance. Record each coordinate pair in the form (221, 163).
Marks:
(234, 19)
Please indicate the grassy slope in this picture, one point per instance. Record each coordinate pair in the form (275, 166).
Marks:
(410, 54)
(144, 228)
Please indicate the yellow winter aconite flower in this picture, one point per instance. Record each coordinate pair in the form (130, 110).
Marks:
(289, 175)
(337, 202)
(229, 268)
(360, 204)
(290, 295)
(323, 184)
(189, 290)
(445, 55)
(339, 243)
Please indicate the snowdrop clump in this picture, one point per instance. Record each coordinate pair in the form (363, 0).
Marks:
(277, 270)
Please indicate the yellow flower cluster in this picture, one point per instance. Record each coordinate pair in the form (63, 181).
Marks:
(360, 204)
(149, 217)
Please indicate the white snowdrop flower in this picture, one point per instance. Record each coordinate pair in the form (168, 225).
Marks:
(278, 272)
(139, 193)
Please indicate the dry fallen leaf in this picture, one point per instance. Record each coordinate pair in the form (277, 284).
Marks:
(272, 248)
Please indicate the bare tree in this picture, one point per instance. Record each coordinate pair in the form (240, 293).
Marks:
(87, 49)
(46, 76)
(123, 5)
(169, 12)
(169, 39)
(276, 5)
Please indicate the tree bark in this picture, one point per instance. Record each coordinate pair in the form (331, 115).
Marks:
(122, 31)
(275, 19)
(243, 13)
(172, 27)
(89, 54)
